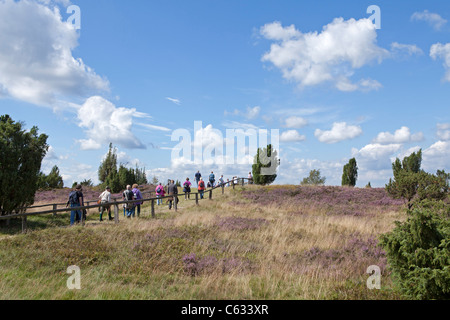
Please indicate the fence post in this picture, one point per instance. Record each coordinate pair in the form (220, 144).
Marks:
(153, 208)
(116, 212)
(82, 217)
(242, 181)
(210, 194)
(175, 199)
(196, 198)
(24, 224)
(223, 188)
(55, 206)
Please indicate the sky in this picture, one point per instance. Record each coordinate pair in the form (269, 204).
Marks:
(167, 81)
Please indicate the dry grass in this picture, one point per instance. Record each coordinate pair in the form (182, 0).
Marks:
(240, 250)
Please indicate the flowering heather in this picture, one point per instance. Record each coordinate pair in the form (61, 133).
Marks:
(333, 200)
(357, 254)
(195, 266)
(238, 223)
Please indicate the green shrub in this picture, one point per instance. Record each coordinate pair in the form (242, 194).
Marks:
(418, 253)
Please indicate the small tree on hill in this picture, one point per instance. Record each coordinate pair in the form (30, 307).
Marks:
(265, 166)
(350, 173)
(314, 179)
(53, 181)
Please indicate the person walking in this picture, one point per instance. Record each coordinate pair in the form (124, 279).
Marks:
(105, 198)
(173, 191)
(201, 187)
(137, 196)
(250, 178)
(221, 181)
(160, 192)
(198, 175)
(128, 195)
(75, 201)
(187, 189)
(212, 179)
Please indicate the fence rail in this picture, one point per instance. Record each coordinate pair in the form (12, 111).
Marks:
(115, 203)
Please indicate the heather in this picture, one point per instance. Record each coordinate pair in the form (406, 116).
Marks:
(330, 200)
(279, 242)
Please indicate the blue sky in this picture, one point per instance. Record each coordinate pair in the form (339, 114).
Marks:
(320, 72)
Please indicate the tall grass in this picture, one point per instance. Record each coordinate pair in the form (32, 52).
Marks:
(251, 243)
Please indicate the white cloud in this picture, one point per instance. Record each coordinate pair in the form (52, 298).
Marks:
(153, 127)
(331, 55)
(239, 125)
(36, 61)
(295, 122)
(376, 151)
(402, 135)
(439, 50)
(105, 123)
(250, 113)
(339, 132)
(437, 156)
(292, 136)
(409, 49)
(176, 101)
(443, 131)
(433, 19)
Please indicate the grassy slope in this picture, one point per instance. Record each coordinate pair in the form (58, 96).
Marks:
(239, 250)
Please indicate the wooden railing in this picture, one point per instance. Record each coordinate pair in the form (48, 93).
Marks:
(115, 203)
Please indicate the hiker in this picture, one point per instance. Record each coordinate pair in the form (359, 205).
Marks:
(198, 175)
(250, 178)
(187, 189)
(105, 198)
(137, 196)
(228, 183)
(128, 195)
(160, 192)
(201, 187)
(212, 179)
(75, 200)
(173, 191)
(208, 185)
(221, 181)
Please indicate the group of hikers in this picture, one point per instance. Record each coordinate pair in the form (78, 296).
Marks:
(131, 193)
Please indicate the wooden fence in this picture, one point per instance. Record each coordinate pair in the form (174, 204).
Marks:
(115, 204)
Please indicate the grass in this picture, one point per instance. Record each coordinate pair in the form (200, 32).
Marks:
(230, 247)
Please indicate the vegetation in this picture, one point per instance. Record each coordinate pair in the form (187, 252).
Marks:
(21, 155)
(314, 179)
(299, 243)
(51, 181)
(264, 169)
(418, 252)
(350, 173)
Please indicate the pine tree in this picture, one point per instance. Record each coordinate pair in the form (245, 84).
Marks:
(265, 166)
(350, 173)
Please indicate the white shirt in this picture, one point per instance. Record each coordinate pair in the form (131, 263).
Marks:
(106, 196)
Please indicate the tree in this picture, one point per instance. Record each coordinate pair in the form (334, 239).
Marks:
(108, 167)
(418, 251)
(412, 183)
(155, 180)
(21, 155)
(368, 186)
(350, 173)
(265, 166)
(53, 181)
(314, 179)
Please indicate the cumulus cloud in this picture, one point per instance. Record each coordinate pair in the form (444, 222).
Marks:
(36, 61)
(250, 113)
(443, 131)
(437, 156)
(402, 135)
(433, 19)
(442, 51)
(408, 49)
(329, 56)
(292, 136)
(295, 122)
(339, 132)
(105, 123)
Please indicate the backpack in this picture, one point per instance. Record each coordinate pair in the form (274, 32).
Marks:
(73, 198)
(201, 184)
(211, 177)
(158, 190)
